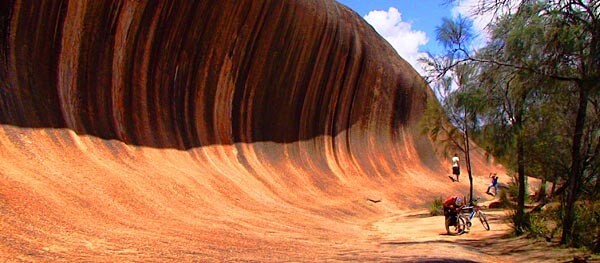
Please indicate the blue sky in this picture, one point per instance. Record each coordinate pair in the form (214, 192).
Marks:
(421, 15)
(409, 25)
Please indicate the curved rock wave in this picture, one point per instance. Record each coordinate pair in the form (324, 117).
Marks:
(143, 130)
(181, 74)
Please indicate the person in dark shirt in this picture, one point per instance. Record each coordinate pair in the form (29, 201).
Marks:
(493, 183)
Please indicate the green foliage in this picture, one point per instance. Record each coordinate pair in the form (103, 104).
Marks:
(530, 97)
(587, 224)
(519, 222)
(455, 34)
(505, 199)
(436, 208)
(436, 126)
(431, 123)
(547, 223)
(544, 224)
(512, 192)
(537, 226)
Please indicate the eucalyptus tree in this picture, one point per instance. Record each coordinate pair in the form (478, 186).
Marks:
(572, 46)
(567, 50)
(511, 89)
(491, 91)
(547, 137)
(453, 79)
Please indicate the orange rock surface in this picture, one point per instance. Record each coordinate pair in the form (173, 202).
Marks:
(226, 130)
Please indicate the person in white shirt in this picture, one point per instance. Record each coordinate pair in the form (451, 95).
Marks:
(455, 167)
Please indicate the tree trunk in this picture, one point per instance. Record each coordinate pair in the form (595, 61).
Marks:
(597, 248)
(468, 163)
(591, 72)
(597, 245)
(574, 183)
(597, 187)
(520, 213)
(520, 216)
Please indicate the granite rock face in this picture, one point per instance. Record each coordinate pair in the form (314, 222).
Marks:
(184, 74)
(149, 130)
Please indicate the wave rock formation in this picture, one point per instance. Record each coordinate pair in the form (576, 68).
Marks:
(202, 130)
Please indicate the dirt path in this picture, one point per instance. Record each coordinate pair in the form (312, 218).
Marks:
(424, 236)
(84, 199)
(418, 237)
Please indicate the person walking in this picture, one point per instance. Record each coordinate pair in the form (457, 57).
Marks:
(493, 183)
(455, 167)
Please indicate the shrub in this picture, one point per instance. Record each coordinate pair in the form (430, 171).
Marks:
(537, 225)
(504, 199)
(514, 220)
(513, 189)
(436, 208)
(547, 223)
(587, 224)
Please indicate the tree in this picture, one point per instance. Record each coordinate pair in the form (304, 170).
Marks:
(567, 50)
(452, 82)
(585, 18)
(510, 89)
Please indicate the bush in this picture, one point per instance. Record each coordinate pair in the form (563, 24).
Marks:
(548, 222)
(587, 225)
(537, 225)
(504, 199)
(513, 189)
(533, 224)
(436, 208)
(517, 223)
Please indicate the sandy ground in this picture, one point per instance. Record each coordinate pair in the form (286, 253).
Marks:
(70, 198)
(407, 237)
(422, 238)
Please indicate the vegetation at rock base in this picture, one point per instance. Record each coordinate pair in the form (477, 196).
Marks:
(531, 96)
(436, 208)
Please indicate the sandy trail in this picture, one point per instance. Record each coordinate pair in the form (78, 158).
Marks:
(103, 201)
(415, 236)
(82, 203)
(423, 237)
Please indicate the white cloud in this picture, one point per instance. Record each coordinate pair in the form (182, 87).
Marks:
(399, 34)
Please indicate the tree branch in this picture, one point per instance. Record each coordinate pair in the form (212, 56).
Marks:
(520, 67)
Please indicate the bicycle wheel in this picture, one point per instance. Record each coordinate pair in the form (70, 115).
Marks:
(484, 221)
(462, 224)
(456, 229)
